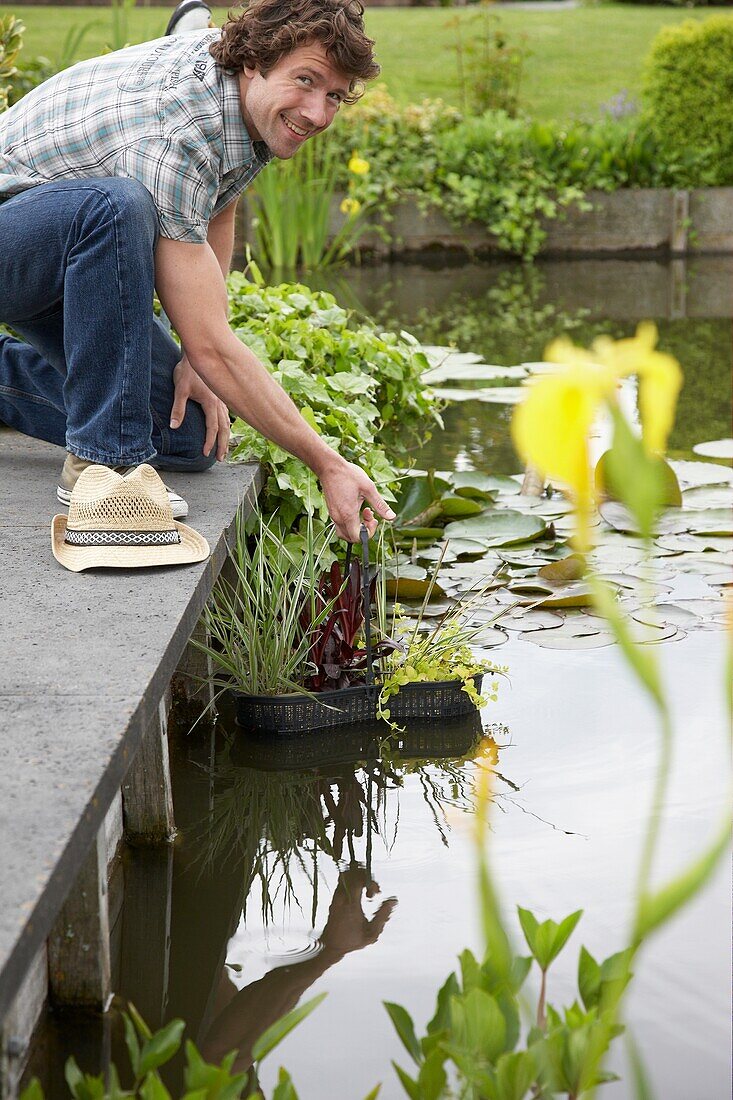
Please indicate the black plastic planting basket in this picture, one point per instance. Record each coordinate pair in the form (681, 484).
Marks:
(296, 713)
(288, 714)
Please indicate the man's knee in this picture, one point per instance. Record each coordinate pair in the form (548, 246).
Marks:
(183, 448)
(184, 463)
(129, 200)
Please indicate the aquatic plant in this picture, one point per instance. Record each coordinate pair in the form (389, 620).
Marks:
(294, 203)
(149, 1052)
(442, 652)
(262, 616)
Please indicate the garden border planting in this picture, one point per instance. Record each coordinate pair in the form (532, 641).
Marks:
(697, 222)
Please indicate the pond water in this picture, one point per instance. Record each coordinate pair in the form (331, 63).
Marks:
(332, 863)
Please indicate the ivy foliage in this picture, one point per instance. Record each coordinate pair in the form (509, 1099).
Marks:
(357, 387)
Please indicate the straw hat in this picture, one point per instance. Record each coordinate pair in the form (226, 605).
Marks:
(123, 523)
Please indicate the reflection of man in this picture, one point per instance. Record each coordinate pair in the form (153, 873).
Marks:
(120, 175)
(242, 1016)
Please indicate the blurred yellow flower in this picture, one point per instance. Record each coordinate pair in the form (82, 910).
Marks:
(551, 426)
(350, 206)
(358, 165)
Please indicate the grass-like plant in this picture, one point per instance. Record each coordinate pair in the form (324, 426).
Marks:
(261, 617)
(293, 200)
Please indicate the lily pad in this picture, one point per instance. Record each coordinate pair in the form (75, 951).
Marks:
(437, 553)
(708, 496)
(620, 518)
(646, 634)
(473, 483)
(714, 608)
(410, 588)
(497, 395)
(498, 528)
(715, 448)
(532, 619)
(702, 473)
(661, 613)
(453, 369)
(572, 595)
(680, 544)
(551, 640)
(708, 521)
(671, 487)
(531, 586)
(468, 548)
(460, 507)
(491, 638)
(416, 494)
(690, 586)
(437, 354)
(720, 579)
(564, 571)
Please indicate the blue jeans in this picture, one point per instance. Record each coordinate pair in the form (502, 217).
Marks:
(93, 370)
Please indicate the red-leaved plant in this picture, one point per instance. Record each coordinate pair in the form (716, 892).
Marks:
(336, 659)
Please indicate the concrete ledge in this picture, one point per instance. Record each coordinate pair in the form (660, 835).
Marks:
(86, 660)
(633, 220)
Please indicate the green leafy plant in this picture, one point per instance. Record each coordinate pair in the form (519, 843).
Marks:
(441, 653)
(149, 1052)
(512, 173)
(11, 43)
(476, 1030)
(360, 388)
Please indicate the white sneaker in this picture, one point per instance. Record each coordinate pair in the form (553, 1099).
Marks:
(73, 466)
(177, 503)
(189, 16)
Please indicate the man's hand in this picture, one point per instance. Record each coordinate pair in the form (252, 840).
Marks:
(190, 387)
(347, 929)
(346, 487)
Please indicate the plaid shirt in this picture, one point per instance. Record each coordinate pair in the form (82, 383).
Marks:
(164, 113)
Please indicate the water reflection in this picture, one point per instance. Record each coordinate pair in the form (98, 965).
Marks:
(508, 313)
(279, 808)
(301, 819)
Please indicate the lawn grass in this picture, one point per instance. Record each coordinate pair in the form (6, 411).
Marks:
(579, 58)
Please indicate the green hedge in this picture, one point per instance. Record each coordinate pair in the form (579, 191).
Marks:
(688, 88)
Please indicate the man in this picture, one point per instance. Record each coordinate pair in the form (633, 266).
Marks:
(120, 176)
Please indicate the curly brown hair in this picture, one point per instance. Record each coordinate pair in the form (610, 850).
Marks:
(267, 30)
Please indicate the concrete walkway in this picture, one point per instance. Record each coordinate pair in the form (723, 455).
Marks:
(85, 660)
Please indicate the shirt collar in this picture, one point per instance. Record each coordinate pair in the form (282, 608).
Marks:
(239, 149)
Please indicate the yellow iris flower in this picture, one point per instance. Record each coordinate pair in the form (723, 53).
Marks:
(358, 165)
(551, 426)
(350, 206)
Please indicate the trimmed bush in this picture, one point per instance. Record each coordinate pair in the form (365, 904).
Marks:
(688, 89)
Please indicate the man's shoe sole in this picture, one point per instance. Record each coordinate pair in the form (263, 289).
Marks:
(188, 7)
(178, 504)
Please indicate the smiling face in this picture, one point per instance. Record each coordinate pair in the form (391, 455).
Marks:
(299, 97)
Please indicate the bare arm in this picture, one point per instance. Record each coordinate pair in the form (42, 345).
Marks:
(191, 288)
(220, 236)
